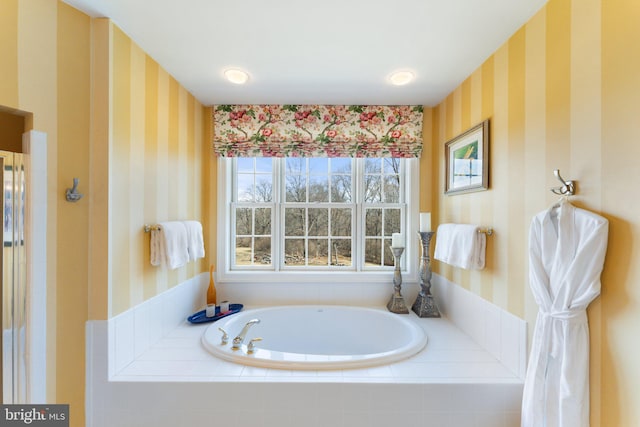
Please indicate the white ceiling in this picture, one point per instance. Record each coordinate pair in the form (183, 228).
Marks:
(321, 52)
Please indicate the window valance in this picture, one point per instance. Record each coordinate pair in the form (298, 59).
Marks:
(317, 131)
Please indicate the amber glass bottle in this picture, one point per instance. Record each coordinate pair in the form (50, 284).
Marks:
(211, 291)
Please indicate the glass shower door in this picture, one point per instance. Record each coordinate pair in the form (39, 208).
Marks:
(14, 295)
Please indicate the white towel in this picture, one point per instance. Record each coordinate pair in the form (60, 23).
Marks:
(461, 245)
(157, 247)
(169, 245)
(195, 242)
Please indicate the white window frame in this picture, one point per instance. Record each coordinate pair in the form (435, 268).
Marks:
(272, 274)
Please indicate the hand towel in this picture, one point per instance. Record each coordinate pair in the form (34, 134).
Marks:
(461, 245)
(169, 245)
(195, 242)
(157, 248)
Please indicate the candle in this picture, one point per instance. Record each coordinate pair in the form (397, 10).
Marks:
(211, 310)
(224, 306)
(425, 221)
(397, 241)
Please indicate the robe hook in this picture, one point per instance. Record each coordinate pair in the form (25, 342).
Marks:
(72, 194)
(567, 188)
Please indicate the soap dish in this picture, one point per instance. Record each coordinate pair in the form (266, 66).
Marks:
(201, 316)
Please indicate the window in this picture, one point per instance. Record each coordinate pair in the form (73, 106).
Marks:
(322, 214)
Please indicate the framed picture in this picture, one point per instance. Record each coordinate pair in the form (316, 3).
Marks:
(467, 161)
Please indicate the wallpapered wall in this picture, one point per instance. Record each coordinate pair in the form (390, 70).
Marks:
(45, 53)
(135, 139)
(156, 170)
(563, 93)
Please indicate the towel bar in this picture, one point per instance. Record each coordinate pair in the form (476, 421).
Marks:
(488, 231)
(147, 228)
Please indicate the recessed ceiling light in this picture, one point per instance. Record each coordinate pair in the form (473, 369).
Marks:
(236, 76)
(400, 78)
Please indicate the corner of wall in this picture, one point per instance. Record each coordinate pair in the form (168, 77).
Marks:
(499, 332)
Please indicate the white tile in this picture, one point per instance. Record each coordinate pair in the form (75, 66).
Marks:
(141, 334)
(253, 372)
(423, 390)
(439, 397)
(352, 418)
(176, 353)
(489, 419)
(512, 396)
(406, 397)
(449, 338)
(438, 419)
(111, 347)
(454, 356)
(178, 342)
(380, 372)
(512, 419)
(124, 340)
(523, 349)
(172, 368)
(476, 311)
(171, 311)
(413, 370)
(482, 398)
(155, 325)
(493, 331)
(510, 352)
(463, 419)
(186, 329)
(228, 369)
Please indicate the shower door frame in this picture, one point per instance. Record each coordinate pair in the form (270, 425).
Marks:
(34, 153)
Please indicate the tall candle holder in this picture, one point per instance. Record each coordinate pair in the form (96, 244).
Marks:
(396, 303)
(425, 304)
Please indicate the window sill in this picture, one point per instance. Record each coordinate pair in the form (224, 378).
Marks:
(313, 277)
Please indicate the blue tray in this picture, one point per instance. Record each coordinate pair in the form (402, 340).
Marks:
(201, 316)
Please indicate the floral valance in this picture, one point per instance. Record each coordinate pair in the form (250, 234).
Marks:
(317, 131)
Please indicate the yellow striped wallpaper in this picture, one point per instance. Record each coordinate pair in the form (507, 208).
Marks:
(135, 139)
(563, 92)
(156, 171)
(45, 53)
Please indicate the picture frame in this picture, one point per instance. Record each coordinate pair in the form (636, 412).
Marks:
(467, 161)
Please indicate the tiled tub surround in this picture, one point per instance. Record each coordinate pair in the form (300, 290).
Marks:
(158, 374)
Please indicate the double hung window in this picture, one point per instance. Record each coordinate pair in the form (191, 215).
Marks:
(325, 214)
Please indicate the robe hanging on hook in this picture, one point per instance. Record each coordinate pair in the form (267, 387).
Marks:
(72, 193)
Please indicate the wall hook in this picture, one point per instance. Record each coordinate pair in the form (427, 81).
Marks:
(72, 193)
(567, 188)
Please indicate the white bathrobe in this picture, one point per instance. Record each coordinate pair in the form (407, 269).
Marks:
(567, 247)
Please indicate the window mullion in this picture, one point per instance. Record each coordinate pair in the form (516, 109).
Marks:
(277, 240)
(335, 224)
(359, 241)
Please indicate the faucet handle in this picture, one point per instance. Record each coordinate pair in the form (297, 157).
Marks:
(251, 347)
(225, 337)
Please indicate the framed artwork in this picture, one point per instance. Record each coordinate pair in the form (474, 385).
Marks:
(467, 161)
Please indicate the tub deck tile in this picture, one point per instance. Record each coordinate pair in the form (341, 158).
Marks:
(450, 356)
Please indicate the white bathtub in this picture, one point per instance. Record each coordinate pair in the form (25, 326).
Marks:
(318, 337)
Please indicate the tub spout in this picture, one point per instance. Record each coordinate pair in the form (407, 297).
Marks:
(237, 341)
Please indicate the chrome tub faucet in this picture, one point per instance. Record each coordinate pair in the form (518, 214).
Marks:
(237, 341)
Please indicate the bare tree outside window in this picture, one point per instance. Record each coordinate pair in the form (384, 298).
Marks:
(317, 212)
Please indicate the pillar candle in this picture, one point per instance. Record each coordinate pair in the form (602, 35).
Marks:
(397, 241)
(425, 221)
